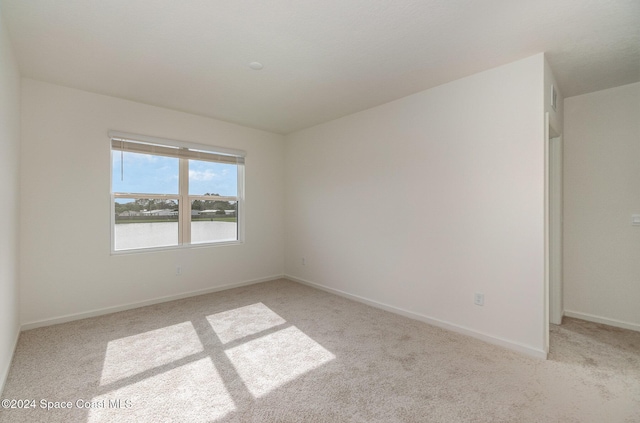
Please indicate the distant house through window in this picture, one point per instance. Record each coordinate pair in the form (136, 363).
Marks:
(170, 194)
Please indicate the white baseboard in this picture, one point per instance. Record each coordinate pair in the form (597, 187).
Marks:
(129, 306)
(604, 320)
(524, 349)
(5, 372)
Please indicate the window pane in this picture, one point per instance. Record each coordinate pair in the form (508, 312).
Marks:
(145, 223)
(214, 221)
(144, 173)
(213, 178)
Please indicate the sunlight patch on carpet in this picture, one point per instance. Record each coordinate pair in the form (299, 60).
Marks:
(269, 362)
(193, 393)
(132, 355)
(243, 321)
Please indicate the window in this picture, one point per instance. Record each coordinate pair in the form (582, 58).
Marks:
(170, 194)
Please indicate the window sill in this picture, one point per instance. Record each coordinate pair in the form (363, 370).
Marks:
(174, 248)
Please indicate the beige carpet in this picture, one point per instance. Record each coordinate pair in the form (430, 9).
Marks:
(284, 352)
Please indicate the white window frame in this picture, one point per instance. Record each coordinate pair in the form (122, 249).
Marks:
(189, 151)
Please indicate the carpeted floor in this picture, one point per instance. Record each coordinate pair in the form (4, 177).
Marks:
(284, 352)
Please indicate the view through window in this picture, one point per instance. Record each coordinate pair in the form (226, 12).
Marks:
(170, 195)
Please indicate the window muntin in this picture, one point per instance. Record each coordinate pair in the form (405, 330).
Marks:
(174, 195)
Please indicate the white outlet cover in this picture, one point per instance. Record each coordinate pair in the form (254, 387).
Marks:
(635, 219)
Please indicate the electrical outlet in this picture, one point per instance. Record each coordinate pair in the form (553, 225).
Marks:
(304, 261)
(478, 299)
(178, 270)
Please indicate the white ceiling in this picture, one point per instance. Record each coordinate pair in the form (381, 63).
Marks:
(322, 59)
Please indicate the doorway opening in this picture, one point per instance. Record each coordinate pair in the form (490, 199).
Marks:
(554, 309)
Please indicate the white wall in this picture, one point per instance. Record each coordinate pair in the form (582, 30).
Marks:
(66, 266)
(10, 147)
(601, 192)
(421, 202)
